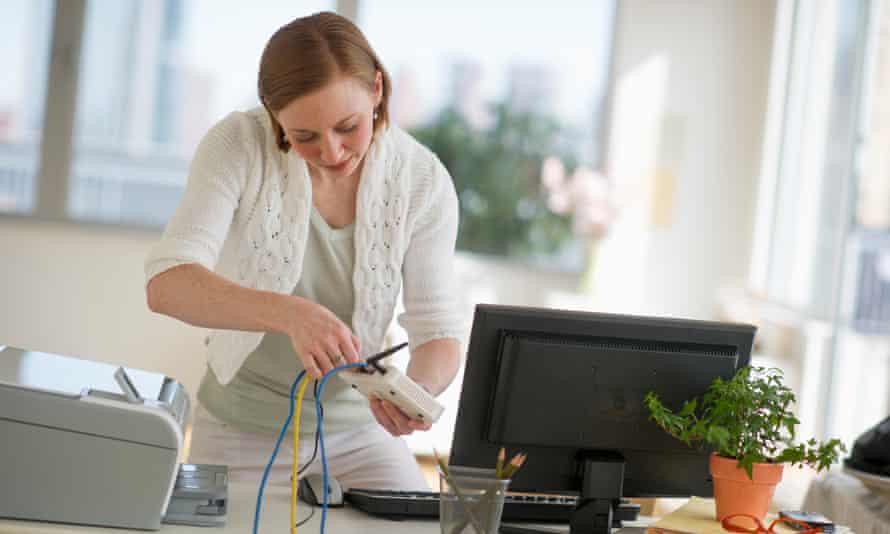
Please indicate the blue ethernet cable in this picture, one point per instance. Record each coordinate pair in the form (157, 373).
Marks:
(290, 415)
(324, 460)
(319, 431)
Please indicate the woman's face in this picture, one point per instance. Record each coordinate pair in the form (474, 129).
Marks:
(332, 128)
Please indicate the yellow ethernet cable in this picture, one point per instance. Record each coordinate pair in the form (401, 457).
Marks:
(296, 461)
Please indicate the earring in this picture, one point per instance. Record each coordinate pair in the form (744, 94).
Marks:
(376, 114)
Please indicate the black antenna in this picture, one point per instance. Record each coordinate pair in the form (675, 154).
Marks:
(373, 360)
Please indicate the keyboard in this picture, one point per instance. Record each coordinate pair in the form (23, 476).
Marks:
(517, 507)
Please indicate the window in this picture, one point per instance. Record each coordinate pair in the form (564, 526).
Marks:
(154, 77)
(860, 377)
(494, 99)
(151, 79)
(811, 172)
(824, 236)
(136, 84)
(25, 30)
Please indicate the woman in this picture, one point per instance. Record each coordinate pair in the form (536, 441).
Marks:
(299, 225)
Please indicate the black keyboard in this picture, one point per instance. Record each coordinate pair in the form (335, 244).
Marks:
(517, 507)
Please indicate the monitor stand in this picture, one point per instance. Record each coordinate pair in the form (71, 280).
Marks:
(602, 482)
(599, 508)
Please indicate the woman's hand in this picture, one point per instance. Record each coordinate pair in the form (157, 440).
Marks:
(432, 366)
(321, 340)
(394, 420)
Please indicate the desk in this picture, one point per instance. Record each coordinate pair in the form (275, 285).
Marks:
(275, 517)
(242, 502)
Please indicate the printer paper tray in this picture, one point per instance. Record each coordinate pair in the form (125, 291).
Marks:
(200, 496)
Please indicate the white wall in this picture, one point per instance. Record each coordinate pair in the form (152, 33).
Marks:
(687, 123)
(78, 290)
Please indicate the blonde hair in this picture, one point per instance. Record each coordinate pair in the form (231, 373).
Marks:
(308, 53)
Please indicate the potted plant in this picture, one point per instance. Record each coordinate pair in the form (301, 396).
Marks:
(748, 422)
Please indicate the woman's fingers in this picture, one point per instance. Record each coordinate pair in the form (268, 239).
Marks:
(394, 420)
(340, 347)
(311, 368)
(407, 423)
(382, 417)
(335, 358)
(322, 340)
(348, 352)
(356, 347)
(404, 424)
(324, 363)
(419, 425)
(397, 417)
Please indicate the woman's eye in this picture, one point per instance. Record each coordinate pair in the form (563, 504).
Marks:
(311, 137)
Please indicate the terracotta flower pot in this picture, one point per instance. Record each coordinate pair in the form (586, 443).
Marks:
(735, 493)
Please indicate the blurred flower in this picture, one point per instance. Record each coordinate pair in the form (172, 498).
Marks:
(586, 195)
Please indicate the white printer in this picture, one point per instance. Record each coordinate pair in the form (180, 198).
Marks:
(91, 443)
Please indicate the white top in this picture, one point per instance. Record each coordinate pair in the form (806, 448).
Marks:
(245, 214)
(257, 399)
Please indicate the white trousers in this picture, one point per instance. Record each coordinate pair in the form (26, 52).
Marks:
(367, 457)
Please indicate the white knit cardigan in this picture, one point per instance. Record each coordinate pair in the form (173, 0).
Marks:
(245, 213)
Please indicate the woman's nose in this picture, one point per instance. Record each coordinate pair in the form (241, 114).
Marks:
(331, 150)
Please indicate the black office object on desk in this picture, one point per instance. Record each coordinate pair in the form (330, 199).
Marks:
(425, 504)
(567, 387)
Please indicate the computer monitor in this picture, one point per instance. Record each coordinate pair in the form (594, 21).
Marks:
(567, 387)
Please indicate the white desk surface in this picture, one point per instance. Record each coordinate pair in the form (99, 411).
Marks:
(242, 502)
(275, 518)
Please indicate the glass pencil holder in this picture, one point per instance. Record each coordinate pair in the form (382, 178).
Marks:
(471, 500)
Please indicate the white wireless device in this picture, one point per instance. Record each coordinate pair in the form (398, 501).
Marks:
(388, 383)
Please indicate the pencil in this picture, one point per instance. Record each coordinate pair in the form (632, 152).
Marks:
(439, 461)
(519, 463)
(514, 465)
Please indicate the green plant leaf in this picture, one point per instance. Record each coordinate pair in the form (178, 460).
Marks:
(688, 408)
(748, 417)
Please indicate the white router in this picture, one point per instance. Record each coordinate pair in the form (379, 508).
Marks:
(389, 383)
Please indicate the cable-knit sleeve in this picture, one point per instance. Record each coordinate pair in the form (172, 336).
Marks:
(217, 177)
(429, 289)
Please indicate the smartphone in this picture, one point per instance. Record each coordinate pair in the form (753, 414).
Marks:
(811, 518)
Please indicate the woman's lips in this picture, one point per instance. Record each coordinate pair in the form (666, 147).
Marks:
(340, 166)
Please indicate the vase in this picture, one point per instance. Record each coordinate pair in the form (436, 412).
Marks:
(735, 493)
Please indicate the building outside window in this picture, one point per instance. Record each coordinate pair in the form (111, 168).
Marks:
(152, 78)
(494, 100)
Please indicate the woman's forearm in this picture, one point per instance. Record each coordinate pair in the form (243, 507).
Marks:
(434, 364)
(200, 297)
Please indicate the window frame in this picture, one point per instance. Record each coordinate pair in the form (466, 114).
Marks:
(57, 136)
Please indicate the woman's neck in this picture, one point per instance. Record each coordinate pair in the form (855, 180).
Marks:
(335, 198)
